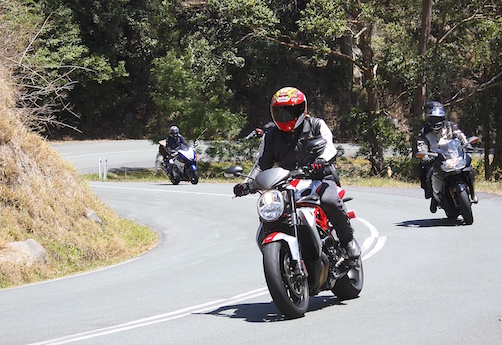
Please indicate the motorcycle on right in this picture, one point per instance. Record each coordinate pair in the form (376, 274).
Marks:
(452, 179)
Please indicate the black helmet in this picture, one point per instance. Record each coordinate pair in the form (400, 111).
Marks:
(435, 115)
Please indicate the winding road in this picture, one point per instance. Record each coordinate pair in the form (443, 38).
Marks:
(428, 280)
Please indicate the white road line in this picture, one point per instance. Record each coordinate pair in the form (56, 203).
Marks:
(374, 243)
(76, 274)
(97, 185)
(200, 308)
(378, 246)
(108, 153)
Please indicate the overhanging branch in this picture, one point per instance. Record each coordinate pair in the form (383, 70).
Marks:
(295, 45)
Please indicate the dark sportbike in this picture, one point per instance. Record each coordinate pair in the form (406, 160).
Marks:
(453, 179)
(301, 254)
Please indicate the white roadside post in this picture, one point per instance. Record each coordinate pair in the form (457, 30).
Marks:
(105, 169)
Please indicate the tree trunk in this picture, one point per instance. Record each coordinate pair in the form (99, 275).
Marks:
(376, 158)
(486, 144)
(420, 91)
(497, 152)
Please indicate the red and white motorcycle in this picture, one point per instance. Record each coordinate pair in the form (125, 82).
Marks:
(302, 255)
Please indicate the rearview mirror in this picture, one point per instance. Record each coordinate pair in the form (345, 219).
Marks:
(233, 171)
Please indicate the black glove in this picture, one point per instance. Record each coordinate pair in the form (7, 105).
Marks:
(319, 165)
(241, 189)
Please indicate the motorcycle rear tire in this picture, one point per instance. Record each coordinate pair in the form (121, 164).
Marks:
(351, 284)
(290, 294)
(465, 207)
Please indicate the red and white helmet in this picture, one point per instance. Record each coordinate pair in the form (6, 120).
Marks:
(288, 108)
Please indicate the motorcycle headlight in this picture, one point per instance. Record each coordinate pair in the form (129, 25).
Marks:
(453, 164)
(270, 205)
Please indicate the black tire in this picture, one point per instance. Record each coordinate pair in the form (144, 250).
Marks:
(194, 177)
(465, 207)
(351, 284)
(290, 295)
(449, 208)
(174, 180)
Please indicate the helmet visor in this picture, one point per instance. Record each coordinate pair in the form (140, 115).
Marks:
(433, 120)
(288, 113)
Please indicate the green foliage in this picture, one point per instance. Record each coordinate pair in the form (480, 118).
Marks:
(323, 20)
(389, 136)
(59, 51)
(234, 151)
(191, 91)
(246, 13)
(134, 68)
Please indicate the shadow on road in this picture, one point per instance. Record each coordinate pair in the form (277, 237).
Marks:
(429, 223)
(267, 312)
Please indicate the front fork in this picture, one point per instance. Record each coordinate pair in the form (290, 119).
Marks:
(292, 242)
(300, 269)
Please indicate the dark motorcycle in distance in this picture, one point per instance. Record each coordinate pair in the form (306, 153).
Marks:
(302, 255)
(453, 179)
(180, 165)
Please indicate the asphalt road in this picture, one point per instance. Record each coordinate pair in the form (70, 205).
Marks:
(428, 280)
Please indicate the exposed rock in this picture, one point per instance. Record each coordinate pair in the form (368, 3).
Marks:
(27, 252)
(94, 216)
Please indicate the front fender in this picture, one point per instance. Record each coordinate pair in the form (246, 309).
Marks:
(460, 187)
(291, 241)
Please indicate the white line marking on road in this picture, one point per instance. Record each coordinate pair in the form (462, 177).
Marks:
(108, 153)
(76, 274)
(374, 243)
(378, 246)
(200, 308)
(97, 185)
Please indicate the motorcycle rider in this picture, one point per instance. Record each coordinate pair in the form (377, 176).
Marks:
(282, 145)
(173, 141)
(436, 129)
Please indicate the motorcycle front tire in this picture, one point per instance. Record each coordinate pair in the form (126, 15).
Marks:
(465, 207)
(175, 179)
(194, 177)
(290, 293)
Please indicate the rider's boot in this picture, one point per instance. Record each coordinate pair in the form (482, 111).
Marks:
(474, 197)
(434, 205)
(353, 249)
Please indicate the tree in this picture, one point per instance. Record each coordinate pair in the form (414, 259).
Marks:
(420, 91)
(190, 87)
(464, 69)
(323, 28)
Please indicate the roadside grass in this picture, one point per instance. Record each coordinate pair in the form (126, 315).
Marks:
(43, 198)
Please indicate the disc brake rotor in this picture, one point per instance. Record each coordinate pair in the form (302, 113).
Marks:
(293, 283)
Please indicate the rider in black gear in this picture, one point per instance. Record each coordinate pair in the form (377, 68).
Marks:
(283, 145)
(175, 139)
(435, 130)
(173, 142)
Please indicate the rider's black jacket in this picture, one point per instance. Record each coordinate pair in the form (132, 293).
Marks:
(286, 149)
(173, 143)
